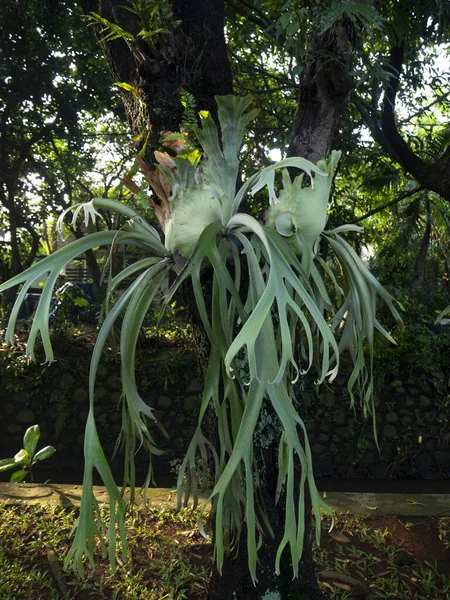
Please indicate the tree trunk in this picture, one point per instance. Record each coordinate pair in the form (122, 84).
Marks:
(324, 90)
(235, 582)
(93, 266)
(421, 258)
(194, 57)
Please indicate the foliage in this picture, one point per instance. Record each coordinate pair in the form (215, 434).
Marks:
(274, 316)
(358, 12)
(155, 16)
(53, 87)
(27, 457)
(164, 553)
(71, 304)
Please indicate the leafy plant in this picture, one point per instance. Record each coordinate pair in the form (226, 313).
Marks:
(27, 457)
(272, 299)
(154, 18)
(359, 13)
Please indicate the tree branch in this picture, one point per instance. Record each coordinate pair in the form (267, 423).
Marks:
(287, 82)
(432, 176)
(373, 124)
(424, 109)
(396, 200)
(253, 18)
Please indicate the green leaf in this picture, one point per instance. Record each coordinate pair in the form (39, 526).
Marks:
(222, 165)
(22, 456)
(127, 86)
(284, 225)
(442, 314)
(7, 463)
(18, 476)
(44, 453)
(90, 523)
(31, 438)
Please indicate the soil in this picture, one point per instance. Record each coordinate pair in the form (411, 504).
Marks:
(364, 558)
(413, 548)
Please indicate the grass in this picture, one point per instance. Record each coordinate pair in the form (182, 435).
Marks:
(375, 557)
(168, 559)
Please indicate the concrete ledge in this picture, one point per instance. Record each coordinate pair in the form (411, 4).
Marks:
(401, 505)
(70, 495)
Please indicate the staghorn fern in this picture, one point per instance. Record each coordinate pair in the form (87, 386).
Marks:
(294, 309)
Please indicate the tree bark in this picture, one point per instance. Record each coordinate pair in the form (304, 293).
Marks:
(324, 91)
(421, 258)
(235, 582)
(192, 57)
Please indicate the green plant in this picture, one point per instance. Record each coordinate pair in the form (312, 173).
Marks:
(154, 18)
(273, 303)
(27, 457)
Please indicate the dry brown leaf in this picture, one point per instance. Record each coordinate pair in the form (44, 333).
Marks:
(130, 184)
(339, 537)
(165, 160)
(358, 588)
(343, 586)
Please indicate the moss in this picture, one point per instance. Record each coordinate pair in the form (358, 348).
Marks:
(271, 595)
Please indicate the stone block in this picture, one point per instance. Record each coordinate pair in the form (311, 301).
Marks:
(344, 432)
(443, 458)
(80, 395)
(339, 416)
(424, 462)
(114, 383)
(318, 449)
(430, 416)
(26, 416)
(367, 459)
(327, 399)
(13, 429)
(115, 398)
(191, 403)
(195, 387)
(392, 417)
(379, 472)
(164, 402)
(58, 395)
(102, 371)
(115, 417)
(67, 380)
(389, 431)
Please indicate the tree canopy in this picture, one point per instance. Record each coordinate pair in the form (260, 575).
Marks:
(53, 86)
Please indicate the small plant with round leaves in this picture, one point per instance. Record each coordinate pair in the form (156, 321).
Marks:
(27, 457)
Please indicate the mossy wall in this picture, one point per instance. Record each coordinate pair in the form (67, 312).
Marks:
(413, 408)
(56, 397)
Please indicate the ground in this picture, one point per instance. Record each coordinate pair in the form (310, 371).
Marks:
(363, 557)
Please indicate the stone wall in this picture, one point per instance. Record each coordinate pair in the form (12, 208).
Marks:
(56, 398)
(413, 428)
(413, 406)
